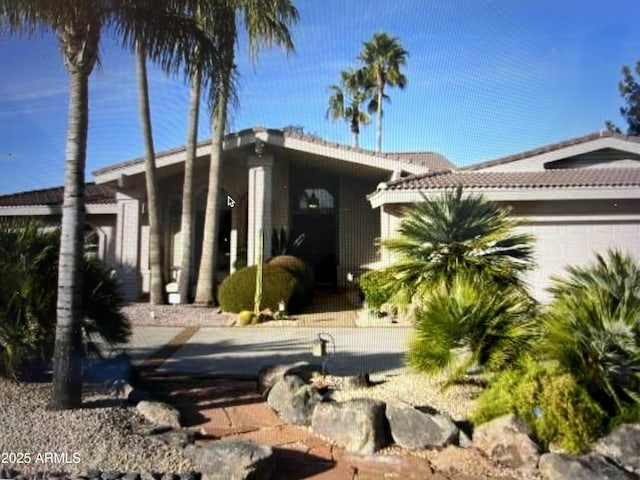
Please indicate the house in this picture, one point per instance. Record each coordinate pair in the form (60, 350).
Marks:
(578, 197)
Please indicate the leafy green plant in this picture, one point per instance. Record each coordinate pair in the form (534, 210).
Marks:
(373, 286)
(237, 291)
(591, 329)
(299, 269)
(493, 325)
(550, 401)
(29, 268)
(455, 234)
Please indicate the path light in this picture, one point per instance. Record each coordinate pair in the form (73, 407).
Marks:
(282, 308)
(319, 347)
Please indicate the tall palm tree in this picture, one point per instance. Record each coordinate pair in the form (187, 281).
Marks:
(383, 56)
(78, 24)
(266, 23)
(345, 100)
(455, 234)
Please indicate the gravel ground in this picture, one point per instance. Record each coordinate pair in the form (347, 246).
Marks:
(105, 435)
(144, 314)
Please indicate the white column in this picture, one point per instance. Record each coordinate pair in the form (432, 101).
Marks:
(260, 199)
(128, 245)
(233, 240)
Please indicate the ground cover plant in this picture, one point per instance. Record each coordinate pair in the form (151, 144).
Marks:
(29, 268)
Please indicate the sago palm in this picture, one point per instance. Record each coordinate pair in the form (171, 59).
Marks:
(347, 98)
(453, 234)
(266, 23)
(78, 25)
(592, 328)
(383, 57)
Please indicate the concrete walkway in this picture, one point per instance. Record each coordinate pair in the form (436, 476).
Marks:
(242, 351)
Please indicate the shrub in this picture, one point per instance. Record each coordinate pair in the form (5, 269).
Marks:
(301, 270)
(237, 291)
(372, 284)
(494, 326)
(552, 404)
(28, 266)
(591, 329)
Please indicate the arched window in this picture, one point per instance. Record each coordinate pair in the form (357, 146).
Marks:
(317, 200)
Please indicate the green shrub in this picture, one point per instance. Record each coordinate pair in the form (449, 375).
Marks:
(553, 405)
(237, 291)
(299, 269)
(591, 329)
(29, 268)
(494, 325)
(372, 284)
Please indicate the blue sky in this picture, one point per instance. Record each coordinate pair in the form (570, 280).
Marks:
(486, 78)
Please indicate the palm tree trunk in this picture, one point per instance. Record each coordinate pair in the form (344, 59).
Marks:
(67, 381)
(186, 223)
(156, 284)
(379, 122)
(208, 263)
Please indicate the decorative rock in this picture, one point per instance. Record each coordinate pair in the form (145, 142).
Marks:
(623, 446)
(175, 438)
(413, 429)
(189, 476)
(270, 374)
(111, 475)
(132, 394)
(558, 466)
(159, 413)
(131, 476)
(463, 440)
(293, 399)
(231, 460)
(506, 440)
(359, 425)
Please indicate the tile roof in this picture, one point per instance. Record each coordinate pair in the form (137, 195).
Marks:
(550, 148)
(584, 177)
(432, 160)
(94, 194)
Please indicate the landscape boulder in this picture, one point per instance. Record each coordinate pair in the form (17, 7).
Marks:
(159, 413)
(270, 374)
(413, 429)
(293, 400)
(231, 460)
(623, 446)
(559, 466)
(506, 440)
(359, 425)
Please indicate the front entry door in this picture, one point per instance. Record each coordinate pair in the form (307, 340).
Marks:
(314, 217)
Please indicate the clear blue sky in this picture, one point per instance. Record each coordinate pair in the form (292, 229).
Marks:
(485, 78)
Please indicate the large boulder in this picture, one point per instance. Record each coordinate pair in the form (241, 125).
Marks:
(270, 374)
(293, 400)
(413, 429)
(231, 460)
(558, 466)
(623, 446)
(506, 440)
(159, 413)
(359, 425)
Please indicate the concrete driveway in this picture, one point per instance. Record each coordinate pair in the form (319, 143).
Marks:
(378, 351)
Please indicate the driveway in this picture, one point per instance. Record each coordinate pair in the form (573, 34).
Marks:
(378, 351)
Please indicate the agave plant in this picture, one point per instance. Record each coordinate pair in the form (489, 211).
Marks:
(453, 235)
(492, 327)
(592, 328)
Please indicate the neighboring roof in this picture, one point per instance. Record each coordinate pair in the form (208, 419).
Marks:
(551, 148)
(431, 160)
(584, 177)
(94, 194)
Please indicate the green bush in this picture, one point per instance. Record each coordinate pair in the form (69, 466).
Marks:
(237, 291)
(299, 269)
(495, 326)
(29, 268)
(591, 329)
(372, 284)
(553, 405)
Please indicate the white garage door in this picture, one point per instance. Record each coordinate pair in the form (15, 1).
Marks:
(561, 244)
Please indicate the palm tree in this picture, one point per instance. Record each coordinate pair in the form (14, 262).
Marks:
(383, 56)
(267, 23)
(78, 25)
(442, 238)
(345, 100)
